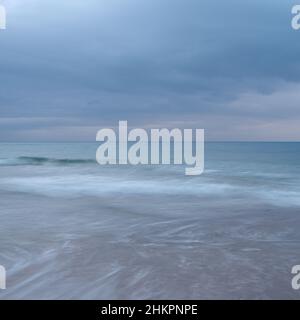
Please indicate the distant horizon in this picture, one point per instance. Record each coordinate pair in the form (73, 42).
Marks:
(208, 141)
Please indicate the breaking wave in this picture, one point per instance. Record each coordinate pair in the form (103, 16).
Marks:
(38, 161)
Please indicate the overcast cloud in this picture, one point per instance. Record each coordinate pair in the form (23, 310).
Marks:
(71, 67)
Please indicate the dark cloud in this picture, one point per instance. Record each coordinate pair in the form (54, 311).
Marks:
(82, 64)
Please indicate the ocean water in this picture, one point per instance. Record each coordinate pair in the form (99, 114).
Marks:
(71, 228)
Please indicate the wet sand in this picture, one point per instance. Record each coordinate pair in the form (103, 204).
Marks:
(128, 248)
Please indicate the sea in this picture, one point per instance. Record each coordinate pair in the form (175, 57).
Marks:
(73, 229)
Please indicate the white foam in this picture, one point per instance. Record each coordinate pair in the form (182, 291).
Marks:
(97, 185)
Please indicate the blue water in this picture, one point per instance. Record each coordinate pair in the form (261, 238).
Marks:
(264, 172)
(149, 231)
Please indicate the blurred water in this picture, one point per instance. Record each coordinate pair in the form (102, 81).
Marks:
(73, 229)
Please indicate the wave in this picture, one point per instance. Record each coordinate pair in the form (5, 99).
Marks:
(97, 185)
(90, 185)
(38, 161)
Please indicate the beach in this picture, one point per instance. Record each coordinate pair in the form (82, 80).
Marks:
(76, 230)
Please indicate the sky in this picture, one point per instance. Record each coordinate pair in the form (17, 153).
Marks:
(69, 68)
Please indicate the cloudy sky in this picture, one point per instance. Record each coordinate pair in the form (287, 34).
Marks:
(71, 67)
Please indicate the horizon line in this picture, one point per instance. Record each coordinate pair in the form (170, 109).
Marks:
(209, 141)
